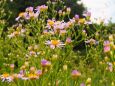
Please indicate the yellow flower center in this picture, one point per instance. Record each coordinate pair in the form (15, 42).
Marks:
(16, 33)
(21, 14)
(32, 76)
(5, 75)
(55, 42)
(50, 22)
(31, 14)
(82, 20)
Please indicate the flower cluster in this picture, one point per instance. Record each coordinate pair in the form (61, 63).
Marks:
(33, 51)
(60, 27)
(24, 73)
(31, 13)
(18, 30)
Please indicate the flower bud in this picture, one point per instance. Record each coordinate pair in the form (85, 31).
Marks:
(63, 13)
(23, 67)
(32, 53)
(106, 58)
(111, 38)
(12, 66)
(76, 17)
(55, 57)
(26, 64)
(32, 69)
(88, 81)
(112, 84)
(65, 67)
(111, 43)
(68, 40)
(113, 47)
(30, 48)
(60, 12)
(68, 10)
(39, 72)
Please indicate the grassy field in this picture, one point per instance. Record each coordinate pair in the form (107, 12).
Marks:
(48, 48)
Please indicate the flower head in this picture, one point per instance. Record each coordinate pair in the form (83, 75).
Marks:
(32, 76)
(76, 17)
(87, 14)
(88, 81)
(106, 43)
(106, 49)
(110, 66)
(45, 63)
(32, 69)
(75, 73)
(12, 66)
(42, 8)
(68, 40)
(55, 43)
(6, 77)
(39, 72)
(29, 9)
(106, 46)
(91, 41)
(82, 20)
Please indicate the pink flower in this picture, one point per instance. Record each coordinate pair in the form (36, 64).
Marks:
(62, 32)
(42, 8)
(29, 9)
(12, 66)
(68, 40)
(106, 49)
(82, 84)
(106, 46)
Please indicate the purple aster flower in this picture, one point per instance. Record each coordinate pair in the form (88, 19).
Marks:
(76, 17)
(39, 72)
(75, 73)
(45, 63)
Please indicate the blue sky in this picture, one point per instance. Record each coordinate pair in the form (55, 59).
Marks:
(101, 8)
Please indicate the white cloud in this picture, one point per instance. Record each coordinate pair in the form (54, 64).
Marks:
(101, 8)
